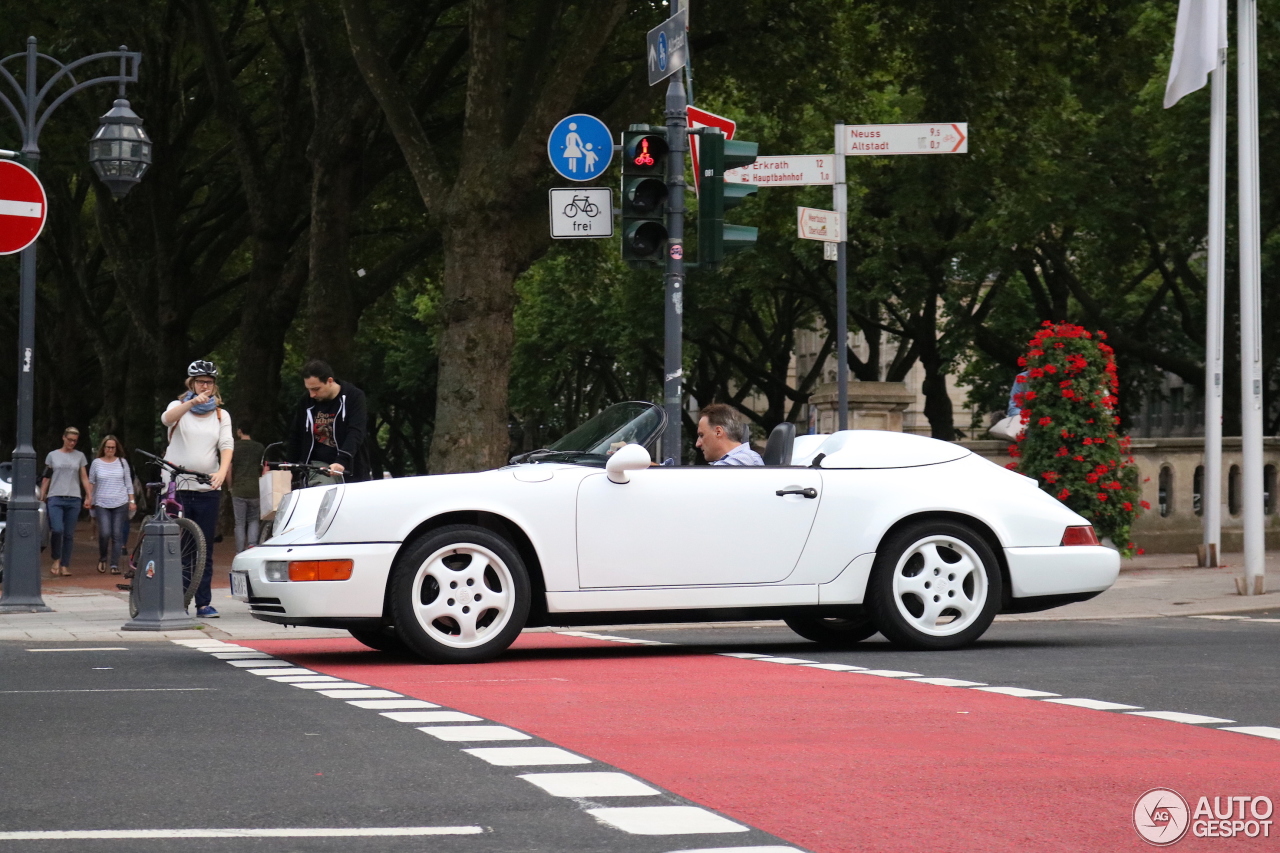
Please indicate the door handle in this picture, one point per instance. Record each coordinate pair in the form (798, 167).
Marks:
(808, 493)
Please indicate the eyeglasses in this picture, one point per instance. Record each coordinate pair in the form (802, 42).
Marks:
(203, 382)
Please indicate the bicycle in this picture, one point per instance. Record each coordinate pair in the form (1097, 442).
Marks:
(582, 203)
(191, 540)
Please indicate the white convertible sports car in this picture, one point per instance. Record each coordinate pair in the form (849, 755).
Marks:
(838, 535)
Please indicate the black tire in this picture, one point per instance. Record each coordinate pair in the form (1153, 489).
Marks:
(427, 584)
(838, 632)
(935, 585)
(381, 639)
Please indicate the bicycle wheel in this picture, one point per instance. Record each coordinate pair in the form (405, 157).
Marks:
(192, 547)
(570, 210)
(591, 209)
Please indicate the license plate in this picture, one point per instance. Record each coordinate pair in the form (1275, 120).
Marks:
(240, 584)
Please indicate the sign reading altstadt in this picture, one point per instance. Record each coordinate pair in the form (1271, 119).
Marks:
(881, 140)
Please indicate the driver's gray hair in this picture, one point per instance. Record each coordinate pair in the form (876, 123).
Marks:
(727, 418)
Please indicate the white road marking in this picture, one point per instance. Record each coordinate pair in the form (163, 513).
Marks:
(1094, 704)
(243, 664)
(1258, 731)
(122, 690)
(1017, 691)
(328, 685)
(612, 639)
(26, 209)
(665, 820)
(948, 682)
(1178, 717)
(191, 644)
(835, 667)
(242, 656)
(280, 672)
(1220, 618)
(435, 717)
(303, 679)
(525, 756)
(94, 649)
(743, 655)
(381, 704)
(888, 673)
(374, 693)
(299, 832)
(473, 733)
(1264, 620)
(586, 785)
(784, 660)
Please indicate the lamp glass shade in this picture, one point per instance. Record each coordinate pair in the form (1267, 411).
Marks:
(120, 151)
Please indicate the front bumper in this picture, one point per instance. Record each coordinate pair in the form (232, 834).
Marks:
(297, 603)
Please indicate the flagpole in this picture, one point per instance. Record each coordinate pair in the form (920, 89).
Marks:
(1250, 300)
(1211, 486)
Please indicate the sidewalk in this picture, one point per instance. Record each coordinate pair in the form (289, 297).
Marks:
(87, 607)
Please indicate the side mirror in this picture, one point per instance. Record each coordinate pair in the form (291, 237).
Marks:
(630, 457)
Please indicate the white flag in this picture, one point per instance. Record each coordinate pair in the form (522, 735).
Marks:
(1202, 32)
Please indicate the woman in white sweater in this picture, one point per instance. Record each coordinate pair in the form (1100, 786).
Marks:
(200, 439)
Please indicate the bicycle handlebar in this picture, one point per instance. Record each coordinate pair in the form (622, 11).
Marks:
(301, 466)
(207, 479)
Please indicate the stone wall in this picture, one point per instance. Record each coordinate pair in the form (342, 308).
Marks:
(1167, 468)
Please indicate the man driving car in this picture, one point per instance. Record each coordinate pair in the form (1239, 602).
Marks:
(719, 427)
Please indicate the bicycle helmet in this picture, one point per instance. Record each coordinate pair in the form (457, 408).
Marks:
(200, 367)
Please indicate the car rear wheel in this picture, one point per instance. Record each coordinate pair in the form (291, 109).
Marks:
(934, 585)
(460, 595)
(835, 631)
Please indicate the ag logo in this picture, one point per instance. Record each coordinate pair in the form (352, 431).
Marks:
(1161, 816)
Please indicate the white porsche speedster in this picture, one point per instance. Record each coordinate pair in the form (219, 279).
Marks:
(838, 535)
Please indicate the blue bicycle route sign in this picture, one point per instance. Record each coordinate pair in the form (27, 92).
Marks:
(580, 147)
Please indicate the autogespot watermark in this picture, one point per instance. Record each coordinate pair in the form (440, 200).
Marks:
(1162, 817)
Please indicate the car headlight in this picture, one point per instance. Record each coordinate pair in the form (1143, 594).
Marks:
(282, 511)
(328, 510)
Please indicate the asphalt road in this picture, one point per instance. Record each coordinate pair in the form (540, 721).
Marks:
(804, 757)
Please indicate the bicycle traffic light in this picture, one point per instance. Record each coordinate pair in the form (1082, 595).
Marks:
(715, 237)
(644, 195)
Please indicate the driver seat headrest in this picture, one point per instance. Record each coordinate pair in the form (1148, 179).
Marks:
(778, 450)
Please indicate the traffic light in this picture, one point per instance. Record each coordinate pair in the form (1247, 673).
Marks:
(644, 195)
(715, 238)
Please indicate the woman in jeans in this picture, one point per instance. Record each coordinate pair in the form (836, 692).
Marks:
(111, 501)
(200, 440)
(60, 489)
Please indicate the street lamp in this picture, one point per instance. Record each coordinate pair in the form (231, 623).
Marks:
(120, 153)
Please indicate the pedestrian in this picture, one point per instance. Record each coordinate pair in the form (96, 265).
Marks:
(329, 427)
(111, 500)
(200, 440)
(246, 468)
(64, 474)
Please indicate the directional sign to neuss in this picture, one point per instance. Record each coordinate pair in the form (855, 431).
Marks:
(580, 147)
(791, 170)
(665, 47)
(579, 212)
(814, 224)
(879, 140)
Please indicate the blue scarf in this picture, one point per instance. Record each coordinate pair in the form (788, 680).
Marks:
(201, 408)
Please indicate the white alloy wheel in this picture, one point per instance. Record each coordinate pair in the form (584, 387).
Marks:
(940, 586)
(463, 595)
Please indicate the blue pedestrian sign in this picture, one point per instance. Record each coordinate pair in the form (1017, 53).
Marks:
(580, 147)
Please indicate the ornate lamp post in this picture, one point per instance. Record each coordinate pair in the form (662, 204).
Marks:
(120, 153)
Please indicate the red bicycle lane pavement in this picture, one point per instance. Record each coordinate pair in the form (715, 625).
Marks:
(837, 762)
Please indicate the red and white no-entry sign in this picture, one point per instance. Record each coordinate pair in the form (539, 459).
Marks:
(22, 207)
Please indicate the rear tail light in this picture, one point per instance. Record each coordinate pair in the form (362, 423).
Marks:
(1082, 535)
(320, 570)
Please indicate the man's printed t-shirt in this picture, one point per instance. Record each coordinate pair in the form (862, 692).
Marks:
(325, 413)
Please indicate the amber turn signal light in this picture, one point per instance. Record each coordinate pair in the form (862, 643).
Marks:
(320, 570)
(1082, 535)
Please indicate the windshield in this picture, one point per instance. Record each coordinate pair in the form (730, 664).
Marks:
(618, 425)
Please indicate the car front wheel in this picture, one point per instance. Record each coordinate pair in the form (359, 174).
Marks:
(460, 595)
(838, 632)
(934, 585)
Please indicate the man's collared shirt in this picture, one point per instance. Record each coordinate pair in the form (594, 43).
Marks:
(742, 455)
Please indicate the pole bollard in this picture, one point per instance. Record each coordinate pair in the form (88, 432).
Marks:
(157, 581)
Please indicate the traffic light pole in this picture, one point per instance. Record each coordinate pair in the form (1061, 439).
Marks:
(673, 279)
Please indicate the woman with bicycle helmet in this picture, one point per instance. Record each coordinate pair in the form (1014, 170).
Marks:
(200, 439)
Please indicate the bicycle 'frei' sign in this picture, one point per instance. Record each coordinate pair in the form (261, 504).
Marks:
(578, 212)
(580, 147)
(22, 207)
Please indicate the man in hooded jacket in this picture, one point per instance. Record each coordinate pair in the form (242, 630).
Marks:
(329, 426)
